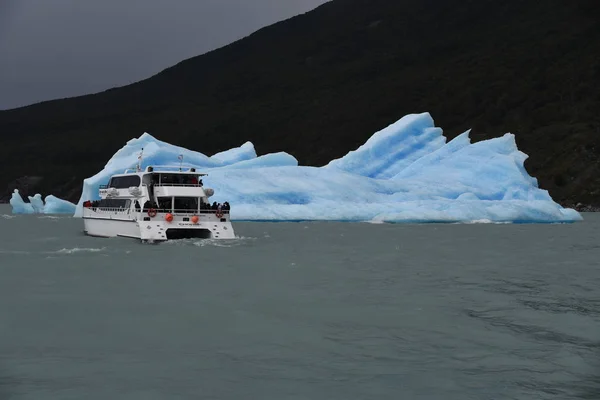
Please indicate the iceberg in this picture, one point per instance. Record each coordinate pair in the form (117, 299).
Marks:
(54, 205)
(394, 148)
(406, 172)
(19, 206)
(50, 205)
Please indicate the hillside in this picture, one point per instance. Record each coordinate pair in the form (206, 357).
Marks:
(318, 85)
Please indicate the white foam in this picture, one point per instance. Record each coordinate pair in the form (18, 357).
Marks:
(237, 241)
(79, 250)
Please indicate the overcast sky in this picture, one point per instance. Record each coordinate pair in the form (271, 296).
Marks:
(60, 48)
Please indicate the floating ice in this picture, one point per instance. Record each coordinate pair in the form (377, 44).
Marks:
(54, 205)
(403, 173)
(51, 205)
(36, 202)
(19, 206)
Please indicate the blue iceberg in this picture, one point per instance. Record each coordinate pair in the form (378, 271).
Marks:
(406, 172)
(50, 205)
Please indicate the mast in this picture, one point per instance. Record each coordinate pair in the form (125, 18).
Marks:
(139, 162)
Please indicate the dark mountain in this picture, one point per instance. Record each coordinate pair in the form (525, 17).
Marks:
(320, 84)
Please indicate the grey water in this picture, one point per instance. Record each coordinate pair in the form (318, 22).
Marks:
(301, 311)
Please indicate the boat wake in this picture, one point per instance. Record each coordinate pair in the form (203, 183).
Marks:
(238, 241)
(63, 251)
(78, 250)
(22, 252)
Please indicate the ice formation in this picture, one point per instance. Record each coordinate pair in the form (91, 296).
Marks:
(403, 173)
(50, 205)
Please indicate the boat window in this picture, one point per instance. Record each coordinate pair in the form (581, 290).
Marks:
(186, 204)
(169, 179)
(124, 182)
(165, 203)
(178, 179)
(114, 203)
(147, 179)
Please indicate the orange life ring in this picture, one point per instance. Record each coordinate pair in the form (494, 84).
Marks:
(169, 217)
(219, 213)
(152, 213)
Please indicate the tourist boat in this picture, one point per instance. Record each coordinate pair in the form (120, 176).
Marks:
(157, 204)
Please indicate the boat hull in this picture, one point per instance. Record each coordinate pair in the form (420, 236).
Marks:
(111, 228)
(140, 226)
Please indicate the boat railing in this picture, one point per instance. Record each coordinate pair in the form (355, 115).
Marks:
(199, 212)
(185, 211)
(159, 185)
(173, 168)
(178, 184)
(116, 210)
(158, 210)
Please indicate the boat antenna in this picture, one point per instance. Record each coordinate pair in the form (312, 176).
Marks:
(180, 157)
(140, 156)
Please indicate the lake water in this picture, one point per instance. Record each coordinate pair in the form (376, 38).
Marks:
(301, 311)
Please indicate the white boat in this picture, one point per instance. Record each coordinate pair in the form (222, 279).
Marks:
(157, 204)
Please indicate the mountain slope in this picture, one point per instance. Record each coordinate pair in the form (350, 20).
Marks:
(318, 85)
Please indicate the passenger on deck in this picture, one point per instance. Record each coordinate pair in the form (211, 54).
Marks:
(137, 205)
(150, 204)
(165, 205)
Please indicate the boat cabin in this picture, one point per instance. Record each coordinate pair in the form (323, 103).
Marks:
(162, 190)
(151, 178)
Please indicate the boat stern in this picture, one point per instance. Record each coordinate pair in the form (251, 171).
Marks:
(169, 226)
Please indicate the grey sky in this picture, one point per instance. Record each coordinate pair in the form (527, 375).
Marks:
(60, 48)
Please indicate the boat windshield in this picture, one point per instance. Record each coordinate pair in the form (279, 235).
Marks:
(172, 179)
(179, 204)
(186, 203)
(109, 204)
(124, 182)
